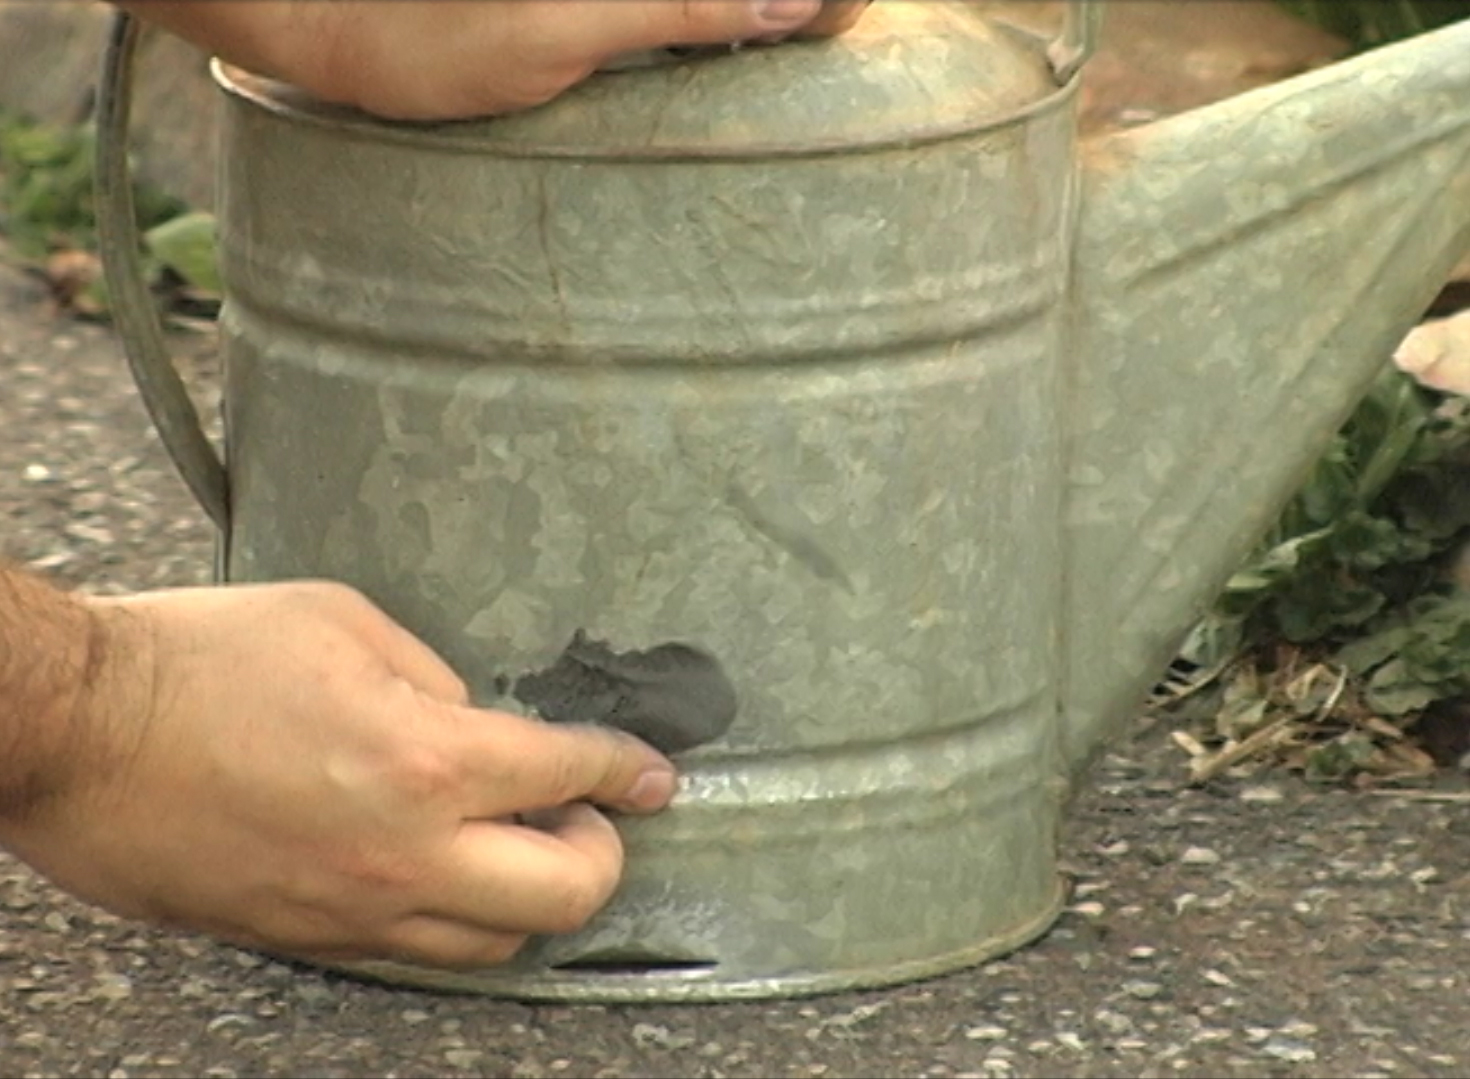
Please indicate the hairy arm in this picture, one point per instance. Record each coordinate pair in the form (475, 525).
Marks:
(284, 766)
(52, 648)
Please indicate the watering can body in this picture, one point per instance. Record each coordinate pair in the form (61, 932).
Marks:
(787, 403)
(773, 359)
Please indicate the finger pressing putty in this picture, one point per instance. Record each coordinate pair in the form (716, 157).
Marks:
(674, 696)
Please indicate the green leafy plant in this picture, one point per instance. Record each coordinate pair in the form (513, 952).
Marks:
(1369, 23)
(1417, 655)
(45, 185)
(1364, 580)
(46, 188)
(48, 216)
(1361, 572)
(1369, 528)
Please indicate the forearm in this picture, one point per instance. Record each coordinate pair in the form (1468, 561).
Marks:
(51, 648)
(263, 36)
(422, 60)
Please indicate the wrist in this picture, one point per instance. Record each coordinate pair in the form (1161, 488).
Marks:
(60, 655)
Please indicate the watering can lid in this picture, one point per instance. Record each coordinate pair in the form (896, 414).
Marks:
(907, 72)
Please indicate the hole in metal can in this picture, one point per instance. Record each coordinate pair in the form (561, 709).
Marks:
(624, 963)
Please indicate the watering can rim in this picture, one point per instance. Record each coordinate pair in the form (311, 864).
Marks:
(1040, 75)
(286, 103)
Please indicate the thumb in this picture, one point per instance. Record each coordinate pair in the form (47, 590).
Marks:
(518, 764)
(607, 29)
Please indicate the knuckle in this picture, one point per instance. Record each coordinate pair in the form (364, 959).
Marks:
(541, 87)
(379, 874)
(591, 761)
(425, 773)
(322, 919)
(564, 775)
(500, 948)
(622, 760)
(574, 902)
(327, 595)
(349, 599)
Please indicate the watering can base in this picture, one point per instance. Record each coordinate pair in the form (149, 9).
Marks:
(647, 980)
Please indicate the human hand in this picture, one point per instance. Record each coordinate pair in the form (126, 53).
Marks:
(451, 59)
(284, 767)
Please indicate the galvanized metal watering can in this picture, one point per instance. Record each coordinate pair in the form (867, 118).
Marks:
(828, 405)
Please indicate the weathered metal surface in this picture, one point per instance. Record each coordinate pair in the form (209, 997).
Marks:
(689, 382)
(796, 363)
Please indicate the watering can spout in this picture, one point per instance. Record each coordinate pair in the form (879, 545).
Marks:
(1243, 273)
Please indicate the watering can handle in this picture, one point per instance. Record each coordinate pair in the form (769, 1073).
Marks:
(133, 309)
(1081, 27)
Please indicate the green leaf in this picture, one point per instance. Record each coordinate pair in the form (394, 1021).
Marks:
(1394, 691)
(1365, 653)
(1365, 542)
(1331, 489)
(1212, 640)
(1339, 757)
(1368, 23)
(1276, 563)
(186, 245)
(1315, 604)
(1434, 503)
(1394, 414)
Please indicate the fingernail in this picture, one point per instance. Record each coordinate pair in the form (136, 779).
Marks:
(653, 789)
(785, 14)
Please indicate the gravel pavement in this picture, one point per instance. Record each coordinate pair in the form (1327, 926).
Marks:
(1258, 927)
